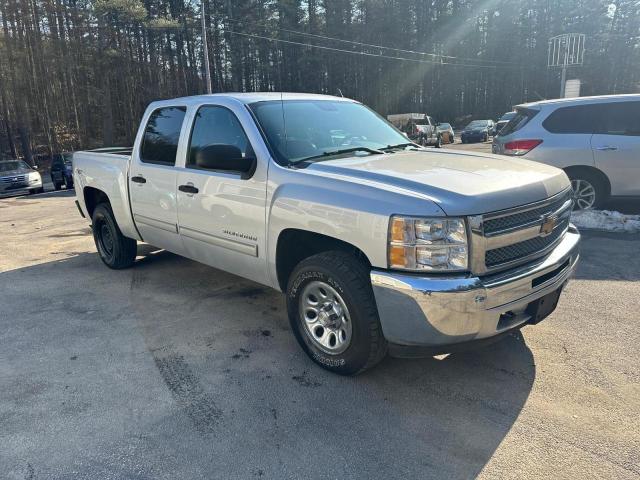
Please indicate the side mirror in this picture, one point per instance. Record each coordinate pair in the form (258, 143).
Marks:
(226, 158)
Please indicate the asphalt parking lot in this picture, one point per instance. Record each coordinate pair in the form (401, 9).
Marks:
(173, 370)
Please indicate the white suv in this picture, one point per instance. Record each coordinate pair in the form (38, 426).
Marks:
(596, 140)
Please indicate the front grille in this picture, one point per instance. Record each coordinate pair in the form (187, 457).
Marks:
(519, 219)
(13, 178)
(524, 249)
(512, 237)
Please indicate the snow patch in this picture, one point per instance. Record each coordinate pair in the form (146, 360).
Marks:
(606, 220)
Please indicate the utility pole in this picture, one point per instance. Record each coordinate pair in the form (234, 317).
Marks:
(205, 48)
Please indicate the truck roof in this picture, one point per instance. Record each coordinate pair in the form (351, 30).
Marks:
(252, 97)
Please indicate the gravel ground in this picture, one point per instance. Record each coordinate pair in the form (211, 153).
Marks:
(175, 370)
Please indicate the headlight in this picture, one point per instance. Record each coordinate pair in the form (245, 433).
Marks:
(33, 176)
(434, 244)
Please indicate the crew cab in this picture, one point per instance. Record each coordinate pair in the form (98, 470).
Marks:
(380, 245)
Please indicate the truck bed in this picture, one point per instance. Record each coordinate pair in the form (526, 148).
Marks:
(106, 170)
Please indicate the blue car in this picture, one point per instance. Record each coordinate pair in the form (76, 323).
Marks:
(477, 131)
(62, 170)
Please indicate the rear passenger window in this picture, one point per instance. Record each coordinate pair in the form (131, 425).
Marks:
(160, 142)
(621, 118)
(574, 119)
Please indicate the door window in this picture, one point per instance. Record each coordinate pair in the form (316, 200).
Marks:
(160, 142)
(216, 125)
(574, 119)
(621, 118)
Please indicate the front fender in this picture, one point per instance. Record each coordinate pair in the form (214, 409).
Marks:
(345, 210)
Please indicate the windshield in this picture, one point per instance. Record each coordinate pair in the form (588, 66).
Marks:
(14, 165)
(444, 125)
(478, 124)
(299, 129)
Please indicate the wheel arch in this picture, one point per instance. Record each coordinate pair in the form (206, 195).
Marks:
(93, 197)
(574, 170)
(294, 245)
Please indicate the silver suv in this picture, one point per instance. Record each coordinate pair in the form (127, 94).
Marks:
(596, 140)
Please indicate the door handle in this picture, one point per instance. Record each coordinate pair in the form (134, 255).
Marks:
(606, 148)
(138, 179)
(188, 189)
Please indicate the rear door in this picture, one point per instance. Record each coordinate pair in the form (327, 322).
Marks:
(616, 146)
(221, 213)
(152, 179)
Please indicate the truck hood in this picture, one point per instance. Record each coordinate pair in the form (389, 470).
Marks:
(460, 182)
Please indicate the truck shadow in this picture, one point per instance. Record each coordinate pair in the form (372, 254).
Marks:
(207, 362)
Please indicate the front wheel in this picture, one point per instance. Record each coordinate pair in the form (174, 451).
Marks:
(438, 142)
(116, 251)
(333, 313)
(588, 191)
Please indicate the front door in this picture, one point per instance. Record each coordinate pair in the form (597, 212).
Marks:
(221, 213)
(152, 179)
(616, 146)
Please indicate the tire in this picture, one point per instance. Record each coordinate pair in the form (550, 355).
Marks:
(587, 182)
(438, 142)
(485, 138)
(116, 251)
(346, 282)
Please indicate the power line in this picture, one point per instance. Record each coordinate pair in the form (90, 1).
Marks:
(368, 54)
(354, 42)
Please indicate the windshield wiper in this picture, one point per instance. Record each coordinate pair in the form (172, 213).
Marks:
(399, 145)
(330, 153)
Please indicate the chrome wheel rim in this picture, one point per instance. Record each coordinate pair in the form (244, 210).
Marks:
(325, 318)
(584, 194)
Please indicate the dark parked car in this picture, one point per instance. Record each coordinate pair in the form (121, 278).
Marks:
(502, 121)
(62, 170)
(477, 131)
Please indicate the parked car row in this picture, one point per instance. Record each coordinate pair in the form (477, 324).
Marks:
(18, 177)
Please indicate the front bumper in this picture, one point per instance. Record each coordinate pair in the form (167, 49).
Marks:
(473, 137)
(21, 186)
(438, 313)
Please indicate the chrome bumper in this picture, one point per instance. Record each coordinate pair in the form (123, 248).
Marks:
(443, 311)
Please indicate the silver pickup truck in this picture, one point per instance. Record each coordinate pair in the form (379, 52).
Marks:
(379, 244)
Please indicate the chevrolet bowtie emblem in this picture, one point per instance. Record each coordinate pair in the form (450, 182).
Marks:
(548, 225)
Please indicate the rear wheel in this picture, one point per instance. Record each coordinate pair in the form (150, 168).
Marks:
(333, 313)
(589, 191)
(116, 251)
